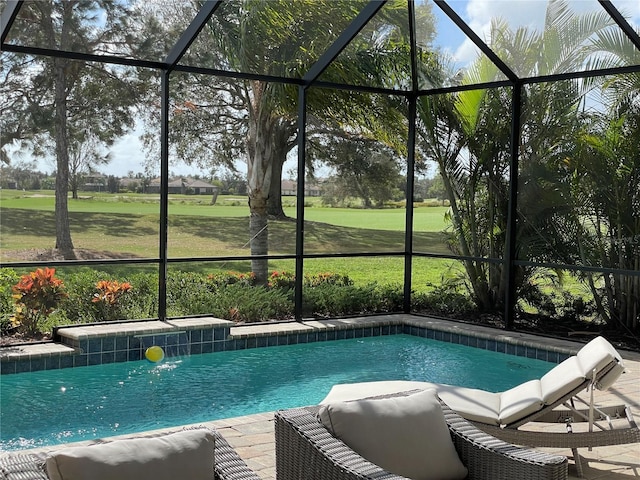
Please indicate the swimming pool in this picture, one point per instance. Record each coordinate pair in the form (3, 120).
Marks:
(59, 406)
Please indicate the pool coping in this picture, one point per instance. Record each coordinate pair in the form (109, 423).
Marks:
(117, 342)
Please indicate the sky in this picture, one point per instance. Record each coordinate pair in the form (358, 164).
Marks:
(128, 153)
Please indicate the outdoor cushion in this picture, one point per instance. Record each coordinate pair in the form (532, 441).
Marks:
(596, 355)
(520, 401)
(355, 391)
(404, 435)
(473, 404)
(185, 455)
(561, 379)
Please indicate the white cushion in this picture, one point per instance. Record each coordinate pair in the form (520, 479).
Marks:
(472, 404)
(520, 401)
(355, 391)
(185, 455)
(561, 380)
(405, 435)
(596, 354)
(610, 377)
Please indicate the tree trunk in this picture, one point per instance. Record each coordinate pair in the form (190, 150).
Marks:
(260, 138)
(274, 203)
(63, 230)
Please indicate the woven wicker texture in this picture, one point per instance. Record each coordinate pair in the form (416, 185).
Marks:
(228, 465)
(305, 450)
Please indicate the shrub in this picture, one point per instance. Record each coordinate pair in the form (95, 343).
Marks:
(108, 298)
(37, 294)
(8, 278)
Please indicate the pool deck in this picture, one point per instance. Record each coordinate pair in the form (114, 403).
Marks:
(253, 436)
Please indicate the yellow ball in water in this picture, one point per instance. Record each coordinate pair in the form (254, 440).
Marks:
(154, 354)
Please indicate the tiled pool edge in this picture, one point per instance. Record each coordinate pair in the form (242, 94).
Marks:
(99, 344)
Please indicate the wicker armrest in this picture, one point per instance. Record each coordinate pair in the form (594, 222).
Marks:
(306, 450)
(228, 465)
(488, 458)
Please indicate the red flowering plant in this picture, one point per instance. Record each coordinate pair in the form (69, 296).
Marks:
(283, 279)
(108, 298)
(231, 278)
(36, 295)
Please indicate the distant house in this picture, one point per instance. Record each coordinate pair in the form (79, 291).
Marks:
(184, 186)
(290, 187)
(96, 182)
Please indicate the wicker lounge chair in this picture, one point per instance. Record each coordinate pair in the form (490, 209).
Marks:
(306, 450)
(552, 399)
(26, 466)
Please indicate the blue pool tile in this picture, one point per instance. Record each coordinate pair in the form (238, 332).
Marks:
(66, 361)
(52, 362)
(122, 343)
(291, 339)
(7, 367)
(358, 333)
(272, 341)
(240, 344)
(541, 354)
(94, 345)
(37, 364)
(108, 344)
(431, 334)
(320, 336)
(121, 356)
(312, 337)
(384, 330)
(261, 342)
(23, 366)
(135, 355)
(532, 352)
(207, 347)
(349, 334)
(332, 335)
(510, 349)
(252, 342)
(81, 360)
(455, 338)
(481, 343)
(221, 333)
(172, 340)
(282, 340)
(303, 338)
(196, 348)
(107, 357)
(94, 359)
(207, 335)
(368, 332)
(501, 347)
(195, 336)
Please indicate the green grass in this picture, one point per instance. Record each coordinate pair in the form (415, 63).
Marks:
(128, 226)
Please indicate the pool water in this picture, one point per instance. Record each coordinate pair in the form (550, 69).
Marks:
(59, 406)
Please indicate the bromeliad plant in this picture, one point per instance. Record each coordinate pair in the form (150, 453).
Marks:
(37, 294)
(108, 298)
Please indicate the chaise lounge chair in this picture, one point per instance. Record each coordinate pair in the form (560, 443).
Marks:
(183, 456)
(551, 399)
(307, 450)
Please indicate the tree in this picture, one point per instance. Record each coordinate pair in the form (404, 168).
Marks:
(75, 94)
(364, 168)
(468, 135)
(84, 157)
(257, 120)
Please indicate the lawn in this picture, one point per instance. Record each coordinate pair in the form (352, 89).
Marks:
(128, 226)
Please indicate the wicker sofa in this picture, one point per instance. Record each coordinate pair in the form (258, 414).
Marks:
(306, 450)
(28, 466)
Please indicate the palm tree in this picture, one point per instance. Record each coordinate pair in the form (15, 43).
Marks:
(470, 140)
